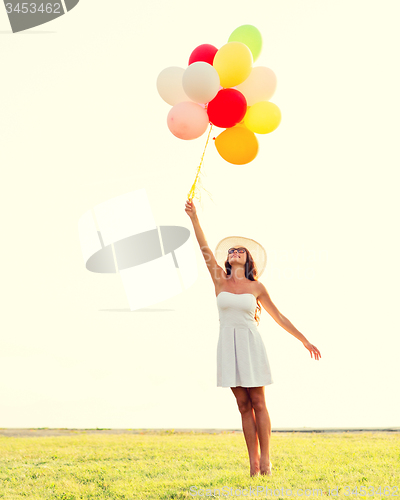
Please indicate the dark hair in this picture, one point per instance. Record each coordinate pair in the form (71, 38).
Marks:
(250, 271)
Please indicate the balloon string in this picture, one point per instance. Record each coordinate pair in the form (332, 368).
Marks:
(192, 191)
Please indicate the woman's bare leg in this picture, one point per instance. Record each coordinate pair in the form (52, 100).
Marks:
(249, 427)
(263, 425)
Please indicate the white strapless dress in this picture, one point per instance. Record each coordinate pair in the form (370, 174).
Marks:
(241, 355)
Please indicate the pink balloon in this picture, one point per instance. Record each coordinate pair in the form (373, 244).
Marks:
(259, 86)
(187, 120)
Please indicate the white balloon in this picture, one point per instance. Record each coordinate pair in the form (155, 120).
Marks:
(259, 86)
(169, 85)
(201, 82)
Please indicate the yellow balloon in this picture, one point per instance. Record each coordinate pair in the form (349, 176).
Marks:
(233, 63)
(237, 145)
(263, 117)
(242, 124)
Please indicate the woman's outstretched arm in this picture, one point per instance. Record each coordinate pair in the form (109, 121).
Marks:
(282, 321)
(213, 267)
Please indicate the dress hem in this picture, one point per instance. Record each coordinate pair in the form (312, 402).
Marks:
(246, 386)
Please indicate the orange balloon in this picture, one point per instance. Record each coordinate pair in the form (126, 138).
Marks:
(237, 145)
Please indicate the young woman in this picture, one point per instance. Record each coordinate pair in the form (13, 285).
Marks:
(242, 361)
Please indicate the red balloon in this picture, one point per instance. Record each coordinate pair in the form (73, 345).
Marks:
(227, 108)
(204, 53)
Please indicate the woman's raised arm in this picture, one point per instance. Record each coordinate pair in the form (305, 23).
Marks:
(212, 265)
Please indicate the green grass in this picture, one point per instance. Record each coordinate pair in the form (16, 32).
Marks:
(164, 465)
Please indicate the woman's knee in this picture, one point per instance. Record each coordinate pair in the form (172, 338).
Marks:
(242, 399)
(257, 399)
(244, 405)
(258, 404)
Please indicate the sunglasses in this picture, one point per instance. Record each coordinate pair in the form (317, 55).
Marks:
(240, 250)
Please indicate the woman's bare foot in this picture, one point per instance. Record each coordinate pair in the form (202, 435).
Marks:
(254, 470)
(266, 470)
(255, 467)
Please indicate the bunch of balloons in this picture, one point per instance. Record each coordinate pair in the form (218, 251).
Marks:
(222, 88)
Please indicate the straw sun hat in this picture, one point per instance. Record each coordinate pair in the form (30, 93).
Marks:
(257, 251)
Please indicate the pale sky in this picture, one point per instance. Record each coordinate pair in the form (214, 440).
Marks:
(82, 122)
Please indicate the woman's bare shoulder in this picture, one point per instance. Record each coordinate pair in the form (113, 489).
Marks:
(259, 288)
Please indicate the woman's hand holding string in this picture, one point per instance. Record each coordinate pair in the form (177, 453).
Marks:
(190, 209)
